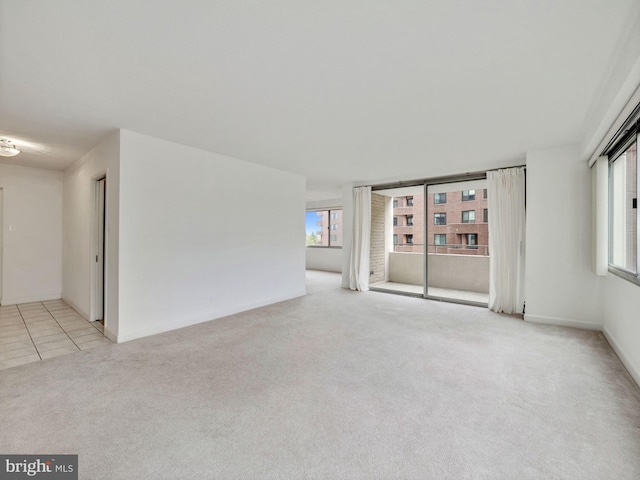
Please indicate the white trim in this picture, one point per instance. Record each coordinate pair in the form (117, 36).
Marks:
(562, 322)
(111, 336)
(31, 299)
(624, 103)
(621, 355)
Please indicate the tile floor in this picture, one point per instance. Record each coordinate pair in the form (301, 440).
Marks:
(30, 332)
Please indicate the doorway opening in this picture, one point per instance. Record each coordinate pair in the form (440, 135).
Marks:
(434, 230)
(99, 249)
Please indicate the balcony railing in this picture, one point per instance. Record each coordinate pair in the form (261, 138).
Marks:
(443, 249)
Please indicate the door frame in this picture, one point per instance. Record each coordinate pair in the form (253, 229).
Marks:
(95, 250)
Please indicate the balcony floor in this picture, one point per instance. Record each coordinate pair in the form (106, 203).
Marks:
(465, 295)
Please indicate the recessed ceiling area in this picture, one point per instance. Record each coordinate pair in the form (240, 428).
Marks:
(335, 91)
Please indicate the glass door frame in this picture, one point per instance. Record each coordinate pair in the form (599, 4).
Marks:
(426, 183)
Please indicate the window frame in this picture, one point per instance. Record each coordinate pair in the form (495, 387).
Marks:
(330, 218)
(436, 214)
(468, 212)
(442, 197)
(468, 199)
(618, 147)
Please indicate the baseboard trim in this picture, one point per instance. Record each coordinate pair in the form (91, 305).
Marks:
(156, 329)
(111, 336)
(84, 314)
(31, 299)
(562, 322)
(615, 346)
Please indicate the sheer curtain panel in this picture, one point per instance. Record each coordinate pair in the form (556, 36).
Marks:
(506, 192)
(359, 264)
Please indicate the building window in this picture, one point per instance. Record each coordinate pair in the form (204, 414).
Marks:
(395, 221)
(439, 218)
(395, 239)
(469, 216)
(409, 220)
(395, 203)
(623, 215)
(409, 239)
(484, 193)
(440, 239)
(409, 201)
(439, 198)
(318, 225)
(472, 241)
(485, 215)
(468, 195)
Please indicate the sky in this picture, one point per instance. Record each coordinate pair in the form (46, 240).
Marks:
(310, 223)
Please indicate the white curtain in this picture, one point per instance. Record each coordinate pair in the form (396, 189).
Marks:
(506, 192)
(360, 244)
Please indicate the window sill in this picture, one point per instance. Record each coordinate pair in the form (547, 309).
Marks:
(628, 276)
(322, 246)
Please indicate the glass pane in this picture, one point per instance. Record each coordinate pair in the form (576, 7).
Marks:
(458, 259)
(397, 246)
(624, 228)
(316, 227)
(336, 228)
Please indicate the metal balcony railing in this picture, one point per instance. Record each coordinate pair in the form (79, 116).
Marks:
(443, 249)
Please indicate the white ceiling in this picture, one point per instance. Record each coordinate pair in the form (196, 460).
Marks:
(335, 90)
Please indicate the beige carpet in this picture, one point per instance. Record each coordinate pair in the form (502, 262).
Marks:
(340, 385)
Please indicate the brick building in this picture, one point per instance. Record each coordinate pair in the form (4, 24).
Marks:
(456, 223)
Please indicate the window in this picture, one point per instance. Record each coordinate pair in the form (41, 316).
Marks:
(469, 216)
(439, 198)
(439, 218)
(395, 221)
(440, 239)
(395, 239)
(472, 241)
(319, 223)
(409, 201)
(484, 193)
(623, 216)
(409, 220)
(468, 195)
(395, 203)
(485, 215)
(409, 239)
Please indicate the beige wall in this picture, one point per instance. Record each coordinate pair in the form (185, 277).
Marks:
(377, 253)
(461, 272)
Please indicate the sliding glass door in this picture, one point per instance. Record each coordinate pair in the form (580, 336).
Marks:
(457, 233)
(432, 230)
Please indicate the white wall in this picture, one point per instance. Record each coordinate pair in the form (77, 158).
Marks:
(326, 259)
(622, 321)
(560, 286)
(31, 234)
(77, 248)
(203, 236)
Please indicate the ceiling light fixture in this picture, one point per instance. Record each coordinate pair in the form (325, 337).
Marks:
(8, 149)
